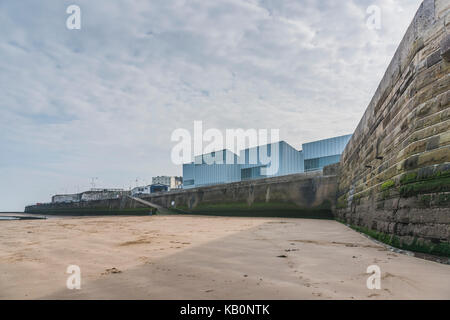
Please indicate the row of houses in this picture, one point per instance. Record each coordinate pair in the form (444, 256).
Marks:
(159, 184)
(93, 194)
(271, 160)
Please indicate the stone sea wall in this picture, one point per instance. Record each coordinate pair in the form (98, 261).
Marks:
(307, 195)
(119, 206)
(395, 171)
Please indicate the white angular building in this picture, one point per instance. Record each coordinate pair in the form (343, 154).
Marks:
(271, 160)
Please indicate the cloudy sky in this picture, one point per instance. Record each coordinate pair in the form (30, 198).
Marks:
(103, 101)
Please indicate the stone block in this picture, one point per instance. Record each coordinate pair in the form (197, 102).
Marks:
(434, 58)
(445, 48)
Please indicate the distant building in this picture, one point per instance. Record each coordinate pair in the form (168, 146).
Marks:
(102, 194)
(271, 160)
(176, 182)
(224, 166)
(158, 187)
(284, 160)
(140, 190)
(93, 194)
(319, 154)
(212, 168)
(172, 182)
(161, 180)
(66, 198)
(152, 188)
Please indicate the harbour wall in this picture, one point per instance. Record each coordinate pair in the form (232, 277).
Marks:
(123, 205)
(395, 170)
(308, 195)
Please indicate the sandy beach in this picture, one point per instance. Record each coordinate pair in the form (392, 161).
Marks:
(193, 257)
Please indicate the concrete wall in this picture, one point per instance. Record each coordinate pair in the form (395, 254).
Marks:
(299, 195)
(119, 206)
(308, 195)
(395, 171)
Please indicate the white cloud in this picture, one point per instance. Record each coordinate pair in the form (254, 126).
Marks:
(103, 101)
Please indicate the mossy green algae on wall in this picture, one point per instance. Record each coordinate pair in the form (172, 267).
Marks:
(262, 209)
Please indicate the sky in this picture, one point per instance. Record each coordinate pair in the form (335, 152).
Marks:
(102, 101)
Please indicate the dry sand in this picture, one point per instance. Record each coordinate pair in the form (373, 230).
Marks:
(193, 257)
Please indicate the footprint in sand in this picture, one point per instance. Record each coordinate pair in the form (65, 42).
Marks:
(111, 270)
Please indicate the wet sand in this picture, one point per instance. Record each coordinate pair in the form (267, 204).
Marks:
(193, 257)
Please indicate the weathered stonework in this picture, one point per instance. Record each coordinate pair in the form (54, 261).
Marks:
(395, 171)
